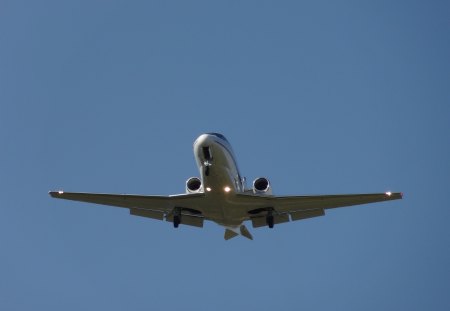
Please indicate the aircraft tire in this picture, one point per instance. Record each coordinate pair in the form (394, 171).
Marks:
(176, 221)
(270, 221)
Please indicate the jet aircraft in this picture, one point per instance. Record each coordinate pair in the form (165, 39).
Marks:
(221, 195)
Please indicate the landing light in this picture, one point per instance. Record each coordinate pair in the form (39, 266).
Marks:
(388, 193)
(60, 192)
(208, 189)
(227, 189)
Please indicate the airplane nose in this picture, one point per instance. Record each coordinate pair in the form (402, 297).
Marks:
(203, 140)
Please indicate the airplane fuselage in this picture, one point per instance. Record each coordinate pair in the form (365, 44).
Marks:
(220, 178)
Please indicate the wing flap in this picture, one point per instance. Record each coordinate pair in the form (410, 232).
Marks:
(147, 213)
(188, 220)
(307, 214)
(261, 221)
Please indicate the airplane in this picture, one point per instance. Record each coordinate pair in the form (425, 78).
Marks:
(221, 195)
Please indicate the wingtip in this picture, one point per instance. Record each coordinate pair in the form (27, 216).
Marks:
(55, 194)
(398, 195)
(394, 195)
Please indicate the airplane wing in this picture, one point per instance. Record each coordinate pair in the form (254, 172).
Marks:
(284, 208)
(302, 207)
(156, 207)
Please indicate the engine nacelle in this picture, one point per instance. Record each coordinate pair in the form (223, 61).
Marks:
(194, 185)
(261, 185)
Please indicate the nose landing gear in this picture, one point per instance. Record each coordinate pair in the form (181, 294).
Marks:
(207, 165)
(207, 154)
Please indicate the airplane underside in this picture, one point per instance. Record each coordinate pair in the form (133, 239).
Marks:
(220, 195)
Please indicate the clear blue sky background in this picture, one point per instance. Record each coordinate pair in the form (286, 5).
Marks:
(319, 96)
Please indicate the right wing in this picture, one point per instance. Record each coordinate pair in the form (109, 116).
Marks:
(156, 207)
(302, 207)
(299, 203)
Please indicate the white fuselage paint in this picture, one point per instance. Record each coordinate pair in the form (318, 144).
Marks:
(223, 180)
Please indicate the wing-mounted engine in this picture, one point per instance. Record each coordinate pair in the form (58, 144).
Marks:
(261, 185)
(194, 185)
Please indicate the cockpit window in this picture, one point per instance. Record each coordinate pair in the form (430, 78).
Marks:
(218, 135)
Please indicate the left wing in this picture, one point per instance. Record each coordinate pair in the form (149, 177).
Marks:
(156, 207)
(302, 207)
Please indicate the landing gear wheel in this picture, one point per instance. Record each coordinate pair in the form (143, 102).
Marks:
(176, 221)
(270, 221)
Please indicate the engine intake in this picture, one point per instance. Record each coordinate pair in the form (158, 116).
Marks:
(194, 185)
(261, 185)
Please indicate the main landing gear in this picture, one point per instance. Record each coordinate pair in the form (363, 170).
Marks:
(176, 217)
(176, 221)
(270, 218)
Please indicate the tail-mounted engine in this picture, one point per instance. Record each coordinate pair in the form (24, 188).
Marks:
(261, 185)
(194, 185)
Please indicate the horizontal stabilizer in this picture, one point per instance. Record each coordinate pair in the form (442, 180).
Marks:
(245, 232)
(229, 234)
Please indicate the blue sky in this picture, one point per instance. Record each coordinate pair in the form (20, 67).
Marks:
(318, 96)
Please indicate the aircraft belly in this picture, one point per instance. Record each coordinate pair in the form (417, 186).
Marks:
(219, 208)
